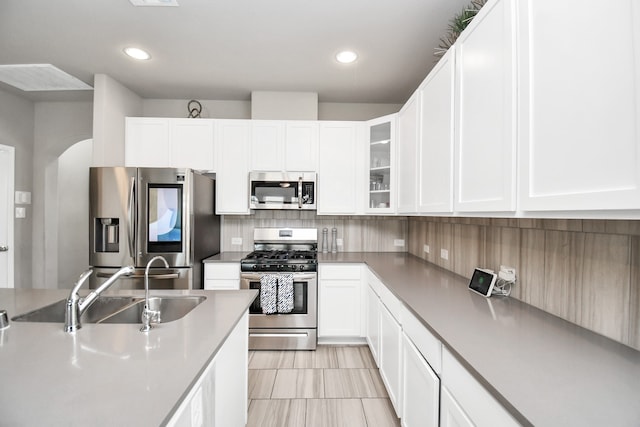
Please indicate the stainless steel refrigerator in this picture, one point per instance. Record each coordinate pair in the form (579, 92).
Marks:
(138, 213)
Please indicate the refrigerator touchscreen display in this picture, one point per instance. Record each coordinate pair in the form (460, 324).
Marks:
(165, 218)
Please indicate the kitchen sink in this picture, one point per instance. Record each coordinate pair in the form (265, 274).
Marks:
(171, 308)
(117, 309)
(101, 308)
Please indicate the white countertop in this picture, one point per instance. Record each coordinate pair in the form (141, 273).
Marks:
(543, 369)
(107, 374)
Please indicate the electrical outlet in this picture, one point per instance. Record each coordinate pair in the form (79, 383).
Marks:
(398, 242)
(444, 254)
(236, 241)
(339, 242)
(426, 249)
(21, 213)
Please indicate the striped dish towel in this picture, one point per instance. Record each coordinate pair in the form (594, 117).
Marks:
(268, 293)
(285, 293)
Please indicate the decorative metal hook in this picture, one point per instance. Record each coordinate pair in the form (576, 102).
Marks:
(195, 108)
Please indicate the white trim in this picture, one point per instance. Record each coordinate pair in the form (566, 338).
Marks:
(10, 214)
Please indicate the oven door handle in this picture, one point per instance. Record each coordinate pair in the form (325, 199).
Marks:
(274, 335)
(258, 276)
(300, 193)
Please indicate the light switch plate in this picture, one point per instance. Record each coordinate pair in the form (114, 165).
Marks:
(426, 249)
(339, 242)
(398, 242)
(21, 212)
(23, 198)
(444, 254)
(236, 241)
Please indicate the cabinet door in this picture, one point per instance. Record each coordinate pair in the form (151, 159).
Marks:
(421, 389)
(451, 414)
(267, 140)
(436, 137)
(579, 118)
(486, 140)
(192, 144)
(338, 171)
(390, 356)
(339, 308)
(373, 324)
(301, 146)
(407, 159)
(381, 165)
(232, 187)
(146, 142)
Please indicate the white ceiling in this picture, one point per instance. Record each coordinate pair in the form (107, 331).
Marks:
(224, 49)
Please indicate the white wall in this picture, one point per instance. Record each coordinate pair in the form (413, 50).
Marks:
(242, 109)
(16, 130)
(112, 102)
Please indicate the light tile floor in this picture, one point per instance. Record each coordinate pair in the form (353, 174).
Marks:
(329, 387)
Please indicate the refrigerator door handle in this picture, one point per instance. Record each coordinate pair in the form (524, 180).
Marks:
(131, 217)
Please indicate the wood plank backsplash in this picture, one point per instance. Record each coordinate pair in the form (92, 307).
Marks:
(359, 233)
(584, 271)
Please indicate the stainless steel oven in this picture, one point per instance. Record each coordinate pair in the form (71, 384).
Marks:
(291, 331)
(283, 268)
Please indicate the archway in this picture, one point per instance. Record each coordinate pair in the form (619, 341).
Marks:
(67, 215)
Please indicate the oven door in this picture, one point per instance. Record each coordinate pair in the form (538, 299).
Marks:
(305, 306)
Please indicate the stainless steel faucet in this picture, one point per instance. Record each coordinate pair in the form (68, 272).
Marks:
(76, 306)
(149, 315)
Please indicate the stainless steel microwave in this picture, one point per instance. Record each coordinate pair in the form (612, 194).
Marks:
(282, 190)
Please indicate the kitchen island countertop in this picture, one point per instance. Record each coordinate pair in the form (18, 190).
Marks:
(107, 374)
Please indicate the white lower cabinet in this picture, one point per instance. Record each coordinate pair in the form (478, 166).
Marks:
(390, 356)
(340, 312)
(373, 324)
(219, 396)
(451, 414)
(221, 275)
(420, 388)
(473, 399)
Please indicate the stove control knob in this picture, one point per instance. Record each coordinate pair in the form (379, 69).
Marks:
(255, 266)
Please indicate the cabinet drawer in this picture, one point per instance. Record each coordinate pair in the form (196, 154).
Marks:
(222, 270)
(428, 345)
(213, 284)
(340, 272)
(374, 282)
(390, 301)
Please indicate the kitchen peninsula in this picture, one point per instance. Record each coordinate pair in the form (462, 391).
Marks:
(113, 374)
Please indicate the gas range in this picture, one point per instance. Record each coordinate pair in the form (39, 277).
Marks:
(283, 250)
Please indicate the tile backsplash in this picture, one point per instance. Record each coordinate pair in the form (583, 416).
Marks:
(584, 271)
(358, 233)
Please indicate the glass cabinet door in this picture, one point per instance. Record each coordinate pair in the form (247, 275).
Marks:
(381, 160)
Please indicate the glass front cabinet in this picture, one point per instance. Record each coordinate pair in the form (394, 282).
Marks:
(381, 165)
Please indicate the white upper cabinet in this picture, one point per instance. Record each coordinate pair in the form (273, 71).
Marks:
(232, 177)
(166, 142)
(267, 140)
(284, 145)
(407, 143)
(485, 112)
(579, 105)
(146, 142)
(436, 137)
(339, 168)
(381, 161)
(301, 146)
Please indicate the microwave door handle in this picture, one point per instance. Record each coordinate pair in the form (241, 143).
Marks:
(131, 217)
(300, 193)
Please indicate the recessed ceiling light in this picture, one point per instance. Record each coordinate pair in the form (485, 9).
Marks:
(346, 56)
(137, 53)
